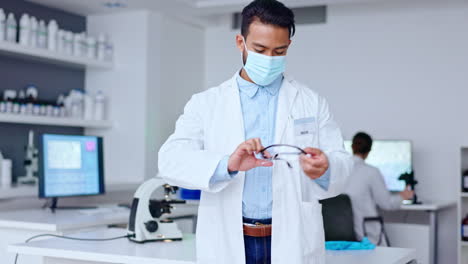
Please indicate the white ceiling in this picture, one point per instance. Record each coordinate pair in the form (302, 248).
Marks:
(199, 11)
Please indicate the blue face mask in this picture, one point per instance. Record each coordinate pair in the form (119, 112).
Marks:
(263, 69)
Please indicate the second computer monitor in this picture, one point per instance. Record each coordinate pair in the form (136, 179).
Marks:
(70, 166)
(392, 158)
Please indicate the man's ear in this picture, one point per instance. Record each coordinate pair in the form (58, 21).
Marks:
(240, 42)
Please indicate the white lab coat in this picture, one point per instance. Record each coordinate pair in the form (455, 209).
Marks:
(211, 128)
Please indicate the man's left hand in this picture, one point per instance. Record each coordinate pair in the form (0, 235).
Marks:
(315, 163)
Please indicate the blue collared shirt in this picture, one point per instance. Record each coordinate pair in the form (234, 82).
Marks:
(259, 104)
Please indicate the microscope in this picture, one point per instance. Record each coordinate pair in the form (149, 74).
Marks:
(145, 223)
(411, 181)
(30, 162)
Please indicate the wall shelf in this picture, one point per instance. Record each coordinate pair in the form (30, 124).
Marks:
(53, 121)
(51, 57)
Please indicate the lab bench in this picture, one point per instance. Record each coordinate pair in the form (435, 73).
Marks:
(57, 250)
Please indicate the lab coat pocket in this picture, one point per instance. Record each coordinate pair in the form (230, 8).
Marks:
(313, 237)
(305, 130)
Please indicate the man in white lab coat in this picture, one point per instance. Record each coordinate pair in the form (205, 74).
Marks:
(258, 206)
(368, 192)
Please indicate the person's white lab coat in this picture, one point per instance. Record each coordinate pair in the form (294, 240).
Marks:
(367, 190)
(211, 128)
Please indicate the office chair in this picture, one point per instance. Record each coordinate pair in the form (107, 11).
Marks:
(382, 228)
(338, 220)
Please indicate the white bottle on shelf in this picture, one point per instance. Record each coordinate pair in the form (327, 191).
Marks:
(99, 106)
(42, 35)
(60, 41)
(33, 32)
(83, 45)
(91, 47)
(69, 43)
(109, 53)
(101, 47)
(12, 28)
(6, 173)
(24, 30)
(52, 30)
(88, 107)
(2, 25)
(77, 44)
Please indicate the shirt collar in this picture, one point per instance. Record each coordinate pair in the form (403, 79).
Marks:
(251, 89)
(358, 159)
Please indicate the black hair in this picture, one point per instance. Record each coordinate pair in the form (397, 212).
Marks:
(270, 12)
(362, 143)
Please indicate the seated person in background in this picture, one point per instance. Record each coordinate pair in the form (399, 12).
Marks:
(367, 191)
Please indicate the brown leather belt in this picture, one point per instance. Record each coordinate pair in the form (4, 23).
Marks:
(258, 230)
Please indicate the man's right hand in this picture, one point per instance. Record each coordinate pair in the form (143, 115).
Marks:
(243, 158)
(407, 194)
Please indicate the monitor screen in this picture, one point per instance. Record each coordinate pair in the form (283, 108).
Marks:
(70, 166)
(392, 158)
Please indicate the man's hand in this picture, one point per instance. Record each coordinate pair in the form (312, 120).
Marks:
(243, 158)
(407, 194)
(315, 163)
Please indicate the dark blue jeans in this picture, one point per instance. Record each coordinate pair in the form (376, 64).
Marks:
(257, 249)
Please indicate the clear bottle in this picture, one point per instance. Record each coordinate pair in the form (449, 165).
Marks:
(91, 47)
(50, 110)
(33, 32)
(69, 43)
(42, 35)
(16, 108)
(76, 104)
(24, 30)
(88, 107)
(23, 109)
(12, 28)
(2, 25)
(101, 47)
(109, 52)
(99, 106)
(63, 41)
(36, 109)
(52, 30)
(77, 45)
(83, 45)
(60, 41)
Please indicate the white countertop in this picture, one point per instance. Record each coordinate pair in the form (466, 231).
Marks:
(429, 206)
(33, 190)
(180, 252)
(62, 220)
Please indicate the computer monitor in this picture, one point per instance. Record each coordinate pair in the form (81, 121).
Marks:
(70, 165)
(392, 158)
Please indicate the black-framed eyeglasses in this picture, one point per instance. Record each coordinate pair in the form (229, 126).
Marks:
(281, 152)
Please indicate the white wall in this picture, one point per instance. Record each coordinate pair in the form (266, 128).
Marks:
(178, 72)
(125, 86)
(396, 70)
(157, 69)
